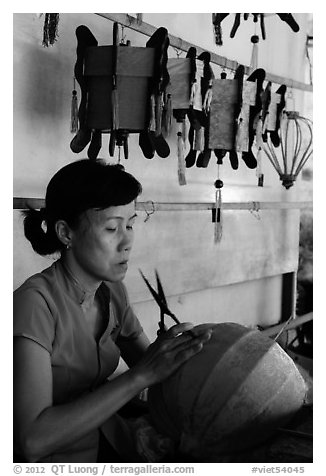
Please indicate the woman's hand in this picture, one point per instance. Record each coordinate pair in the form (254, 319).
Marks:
(170, 350)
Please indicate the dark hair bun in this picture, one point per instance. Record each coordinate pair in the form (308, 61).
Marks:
(43, 242)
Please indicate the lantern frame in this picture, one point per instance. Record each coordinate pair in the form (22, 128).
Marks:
(292, 160)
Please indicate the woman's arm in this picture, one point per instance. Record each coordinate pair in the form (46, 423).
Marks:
(133, 350)
(42, 428)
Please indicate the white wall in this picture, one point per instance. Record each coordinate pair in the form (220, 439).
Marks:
(238, 279)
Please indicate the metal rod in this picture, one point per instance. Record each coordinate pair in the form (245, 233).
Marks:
(22, 203)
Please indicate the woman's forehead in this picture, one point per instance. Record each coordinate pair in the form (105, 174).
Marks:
(125, 212)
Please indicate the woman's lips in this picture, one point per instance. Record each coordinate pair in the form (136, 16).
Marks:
(123, 264)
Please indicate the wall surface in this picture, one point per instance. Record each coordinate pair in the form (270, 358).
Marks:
(239, 279)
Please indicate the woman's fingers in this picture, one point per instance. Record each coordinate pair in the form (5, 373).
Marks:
(178, 334)
(177, 329)
(183, 355)
(171, 349)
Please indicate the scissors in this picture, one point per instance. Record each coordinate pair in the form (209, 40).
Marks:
(160, 299)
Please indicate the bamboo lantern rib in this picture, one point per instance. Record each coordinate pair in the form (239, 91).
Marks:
(298, 144)
(273, 158)
(285, 146)
(306, 155)
(302, 162)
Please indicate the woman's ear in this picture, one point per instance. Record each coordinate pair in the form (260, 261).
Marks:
(63, 232)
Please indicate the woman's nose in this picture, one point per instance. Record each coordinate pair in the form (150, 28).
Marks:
(127, 239)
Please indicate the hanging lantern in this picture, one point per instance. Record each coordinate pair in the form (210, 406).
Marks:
(295, 147)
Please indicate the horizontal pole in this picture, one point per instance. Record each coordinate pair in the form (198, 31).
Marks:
(23, 203)
(147, 29)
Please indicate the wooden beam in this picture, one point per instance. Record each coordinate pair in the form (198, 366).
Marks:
(182, 45)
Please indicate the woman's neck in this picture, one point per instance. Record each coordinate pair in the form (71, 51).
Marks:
(78, 278)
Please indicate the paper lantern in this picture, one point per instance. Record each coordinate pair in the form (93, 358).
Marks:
(179, 87)
(134, 70)
(222, 114)
(229, 397)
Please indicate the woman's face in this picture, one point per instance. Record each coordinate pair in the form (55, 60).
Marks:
(101, 245)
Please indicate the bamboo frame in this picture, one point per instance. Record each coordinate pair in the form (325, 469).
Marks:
(22, 203)
(176, 42)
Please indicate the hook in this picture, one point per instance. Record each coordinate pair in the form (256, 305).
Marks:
(177, 51)
(149, 213)
(123, 36)
(255, 210)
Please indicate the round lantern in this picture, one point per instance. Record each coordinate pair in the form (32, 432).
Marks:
(230, 397)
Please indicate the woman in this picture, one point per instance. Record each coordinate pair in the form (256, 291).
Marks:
(73, 321)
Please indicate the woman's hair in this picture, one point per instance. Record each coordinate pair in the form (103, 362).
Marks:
(77, 187)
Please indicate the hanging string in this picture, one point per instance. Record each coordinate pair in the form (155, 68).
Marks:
(74, 110)
(259, 144)
(123, 36)
(290, 100)
(254, 52)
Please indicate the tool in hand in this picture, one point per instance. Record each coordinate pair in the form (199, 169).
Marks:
(160, 299)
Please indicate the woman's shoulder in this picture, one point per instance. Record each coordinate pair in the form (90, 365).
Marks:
(41, 283)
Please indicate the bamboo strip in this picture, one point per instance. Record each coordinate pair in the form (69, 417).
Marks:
(148, 29)
(296, 322)
(22, 203)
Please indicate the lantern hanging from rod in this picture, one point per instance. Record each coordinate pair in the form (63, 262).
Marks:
(295, 147)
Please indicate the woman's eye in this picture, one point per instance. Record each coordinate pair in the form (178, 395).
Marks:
(111, 229)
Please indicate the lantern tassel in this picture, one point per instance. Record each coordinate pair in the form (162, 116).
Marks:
(181, 157)
(217, 210)
(74, 112)
(217, 29)
(218, 229)
(254, 52)
(259, 144)
(50, 29)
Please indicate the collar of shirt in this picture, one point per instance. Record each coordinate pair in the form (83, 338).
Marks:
(71, 284)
